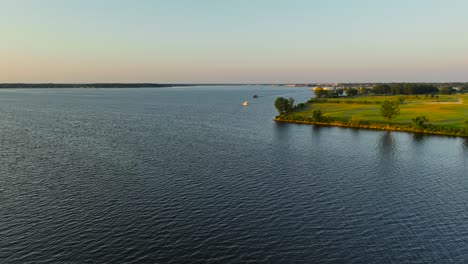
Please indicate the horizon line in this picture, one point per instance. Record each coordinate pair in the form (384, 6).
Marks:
(222, 83)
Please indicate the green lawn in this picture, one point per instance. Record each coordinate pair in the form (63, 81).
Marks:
(449, 111)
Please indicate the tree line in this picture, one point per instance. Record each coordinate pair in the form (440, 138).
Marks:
(391, 89)
(85, 85)
(404, 88)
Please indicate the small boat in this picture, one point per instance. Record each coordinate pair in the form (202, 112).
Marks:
(255, 96)
(245, 103)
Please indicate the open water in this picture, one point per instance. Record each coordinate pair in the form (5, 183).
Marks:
(188, 175)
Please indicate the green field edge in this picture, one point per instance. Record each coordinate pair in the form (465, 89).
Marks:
(372, 127)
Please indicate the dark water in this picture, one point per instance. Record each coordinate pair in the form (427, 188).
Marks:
(188, 175)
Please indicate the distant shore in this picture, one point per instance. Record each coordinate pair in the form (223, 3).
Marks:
(113, 85)
(86, 85)
(159, 85)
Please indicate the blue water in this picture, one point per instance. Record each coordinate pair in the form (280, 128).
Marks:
(188, 175)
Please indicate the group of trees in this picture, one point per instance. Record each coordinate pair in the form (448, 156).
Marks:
(284, 106)
(321, 93)
(404, 88)
(446, 90)
(85, 85)
(418, 88)
(421, 122)
(464, 88)
(390, 88)
(328, 93)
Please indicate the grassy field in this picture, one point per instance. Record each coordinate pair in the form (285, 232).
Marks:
(446, 114)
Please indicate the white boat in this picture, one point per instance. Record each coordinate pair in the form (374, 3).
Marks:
(245, 103)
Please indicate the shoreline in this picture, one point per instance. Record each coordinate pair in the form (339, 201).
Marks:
(369, 127)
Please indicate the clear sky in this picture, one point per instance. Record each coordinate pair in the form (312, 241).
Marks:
(244, 41)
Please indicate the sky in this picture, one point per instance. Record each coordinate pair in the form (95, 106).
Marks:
(233, 41)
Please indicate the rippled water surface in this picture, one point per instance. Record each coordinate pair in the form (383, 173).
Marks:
(188, 175)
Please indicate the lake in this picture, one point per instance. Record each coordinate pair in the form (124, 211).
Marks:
(189, 175)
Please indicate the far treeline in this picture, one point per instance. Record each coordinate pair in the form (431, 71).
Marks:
(392, 89)
(85, 85)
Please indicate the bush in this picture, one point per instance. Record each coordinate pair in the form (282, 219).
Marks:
(317, 100)
(317, 115)
(421, 122)
(300, 105)
(355, 121)
(445, 90)
(284, 106)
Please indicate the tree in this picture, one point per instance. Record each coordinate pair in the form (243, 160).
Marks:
(317, 115)
(291, 105)
(351, 91)
(330, 94)
(395, 88)
(339, 91)
(464, 87)
(320, 92)
(380, 89)
(284, 106)
(445, 90)
(362, 90)
(421, 122)
(401, 99)
(389, 110)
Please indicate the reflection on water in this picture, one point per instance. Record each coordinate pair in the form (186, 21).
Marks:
(316, 128)
(281, 131)
(418, 137)
(387, 144)
(465, 143)
(354, 130)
